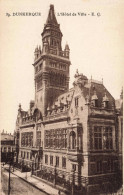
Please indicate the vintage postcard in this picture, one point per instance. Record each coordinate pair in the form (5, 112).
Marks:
(61, 94)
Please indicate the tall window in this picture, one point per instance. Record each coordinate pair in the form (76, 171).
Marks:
(46, 159)
(99, 166)
(63, 162)
(56, 138)
(72, 140)
(57, 161)
(46, 138)
(97, 137)
(107, 138)
(64, 138)
(39, 138)
(27, 139)
(22, 140)
(31, 139)
(108, 165)
(30, 155)
(103, 138)
(51, 138)
(51, 160)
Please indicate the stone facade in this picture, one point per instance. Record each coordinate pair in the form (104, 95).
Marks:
(7, 146)
(69, 129)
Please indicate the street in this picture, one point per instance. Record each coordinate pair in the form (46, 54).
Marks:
(18, 186)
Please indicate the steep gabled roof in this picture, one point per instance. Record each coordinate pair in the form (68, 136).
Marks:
(98, 89)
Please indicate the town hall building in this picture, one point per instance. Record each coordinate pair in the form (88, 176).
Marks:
(69, 131)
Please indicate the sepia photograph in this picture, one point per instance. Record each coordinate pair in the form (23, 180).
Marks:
(61, 94)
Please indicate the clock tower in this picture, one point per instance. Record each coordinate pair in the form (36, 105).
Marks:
(51, 65)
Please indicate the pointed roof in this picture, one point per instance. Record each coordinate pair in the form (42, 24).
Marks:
(51, 22)
(51, 16)
(121, 96)
(67, 47)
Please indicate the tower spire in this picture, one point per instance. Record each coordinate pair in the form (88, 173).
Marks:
(51, 65)
(51, 16)
(51, 24)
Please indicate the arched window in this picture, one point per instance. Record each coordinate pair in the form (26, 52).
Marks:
(72, 140)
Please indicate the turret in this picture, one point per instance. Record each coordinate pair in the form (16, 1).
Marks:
(80, 79)
(67, 51)
(121, 95)
(37, 53)
(19, 107)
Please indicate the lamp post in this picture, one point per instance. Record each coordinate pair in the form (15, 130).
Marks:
(41, 169)
(10, 158)
(13, 154)
(22, 164)
(73, 181)
(32, 168)
(55, 176)
(9, 181)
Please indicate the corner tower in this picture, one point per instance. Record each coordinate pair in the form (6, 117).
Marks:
(51, 65)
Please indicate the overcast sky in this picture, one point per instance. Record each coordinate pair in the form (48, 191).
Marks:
(96, 47)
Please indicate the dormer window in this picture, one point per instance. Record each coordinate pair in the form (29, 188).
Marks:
(96, 103)
(106, 104)
(94, 100)
(105, 101)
